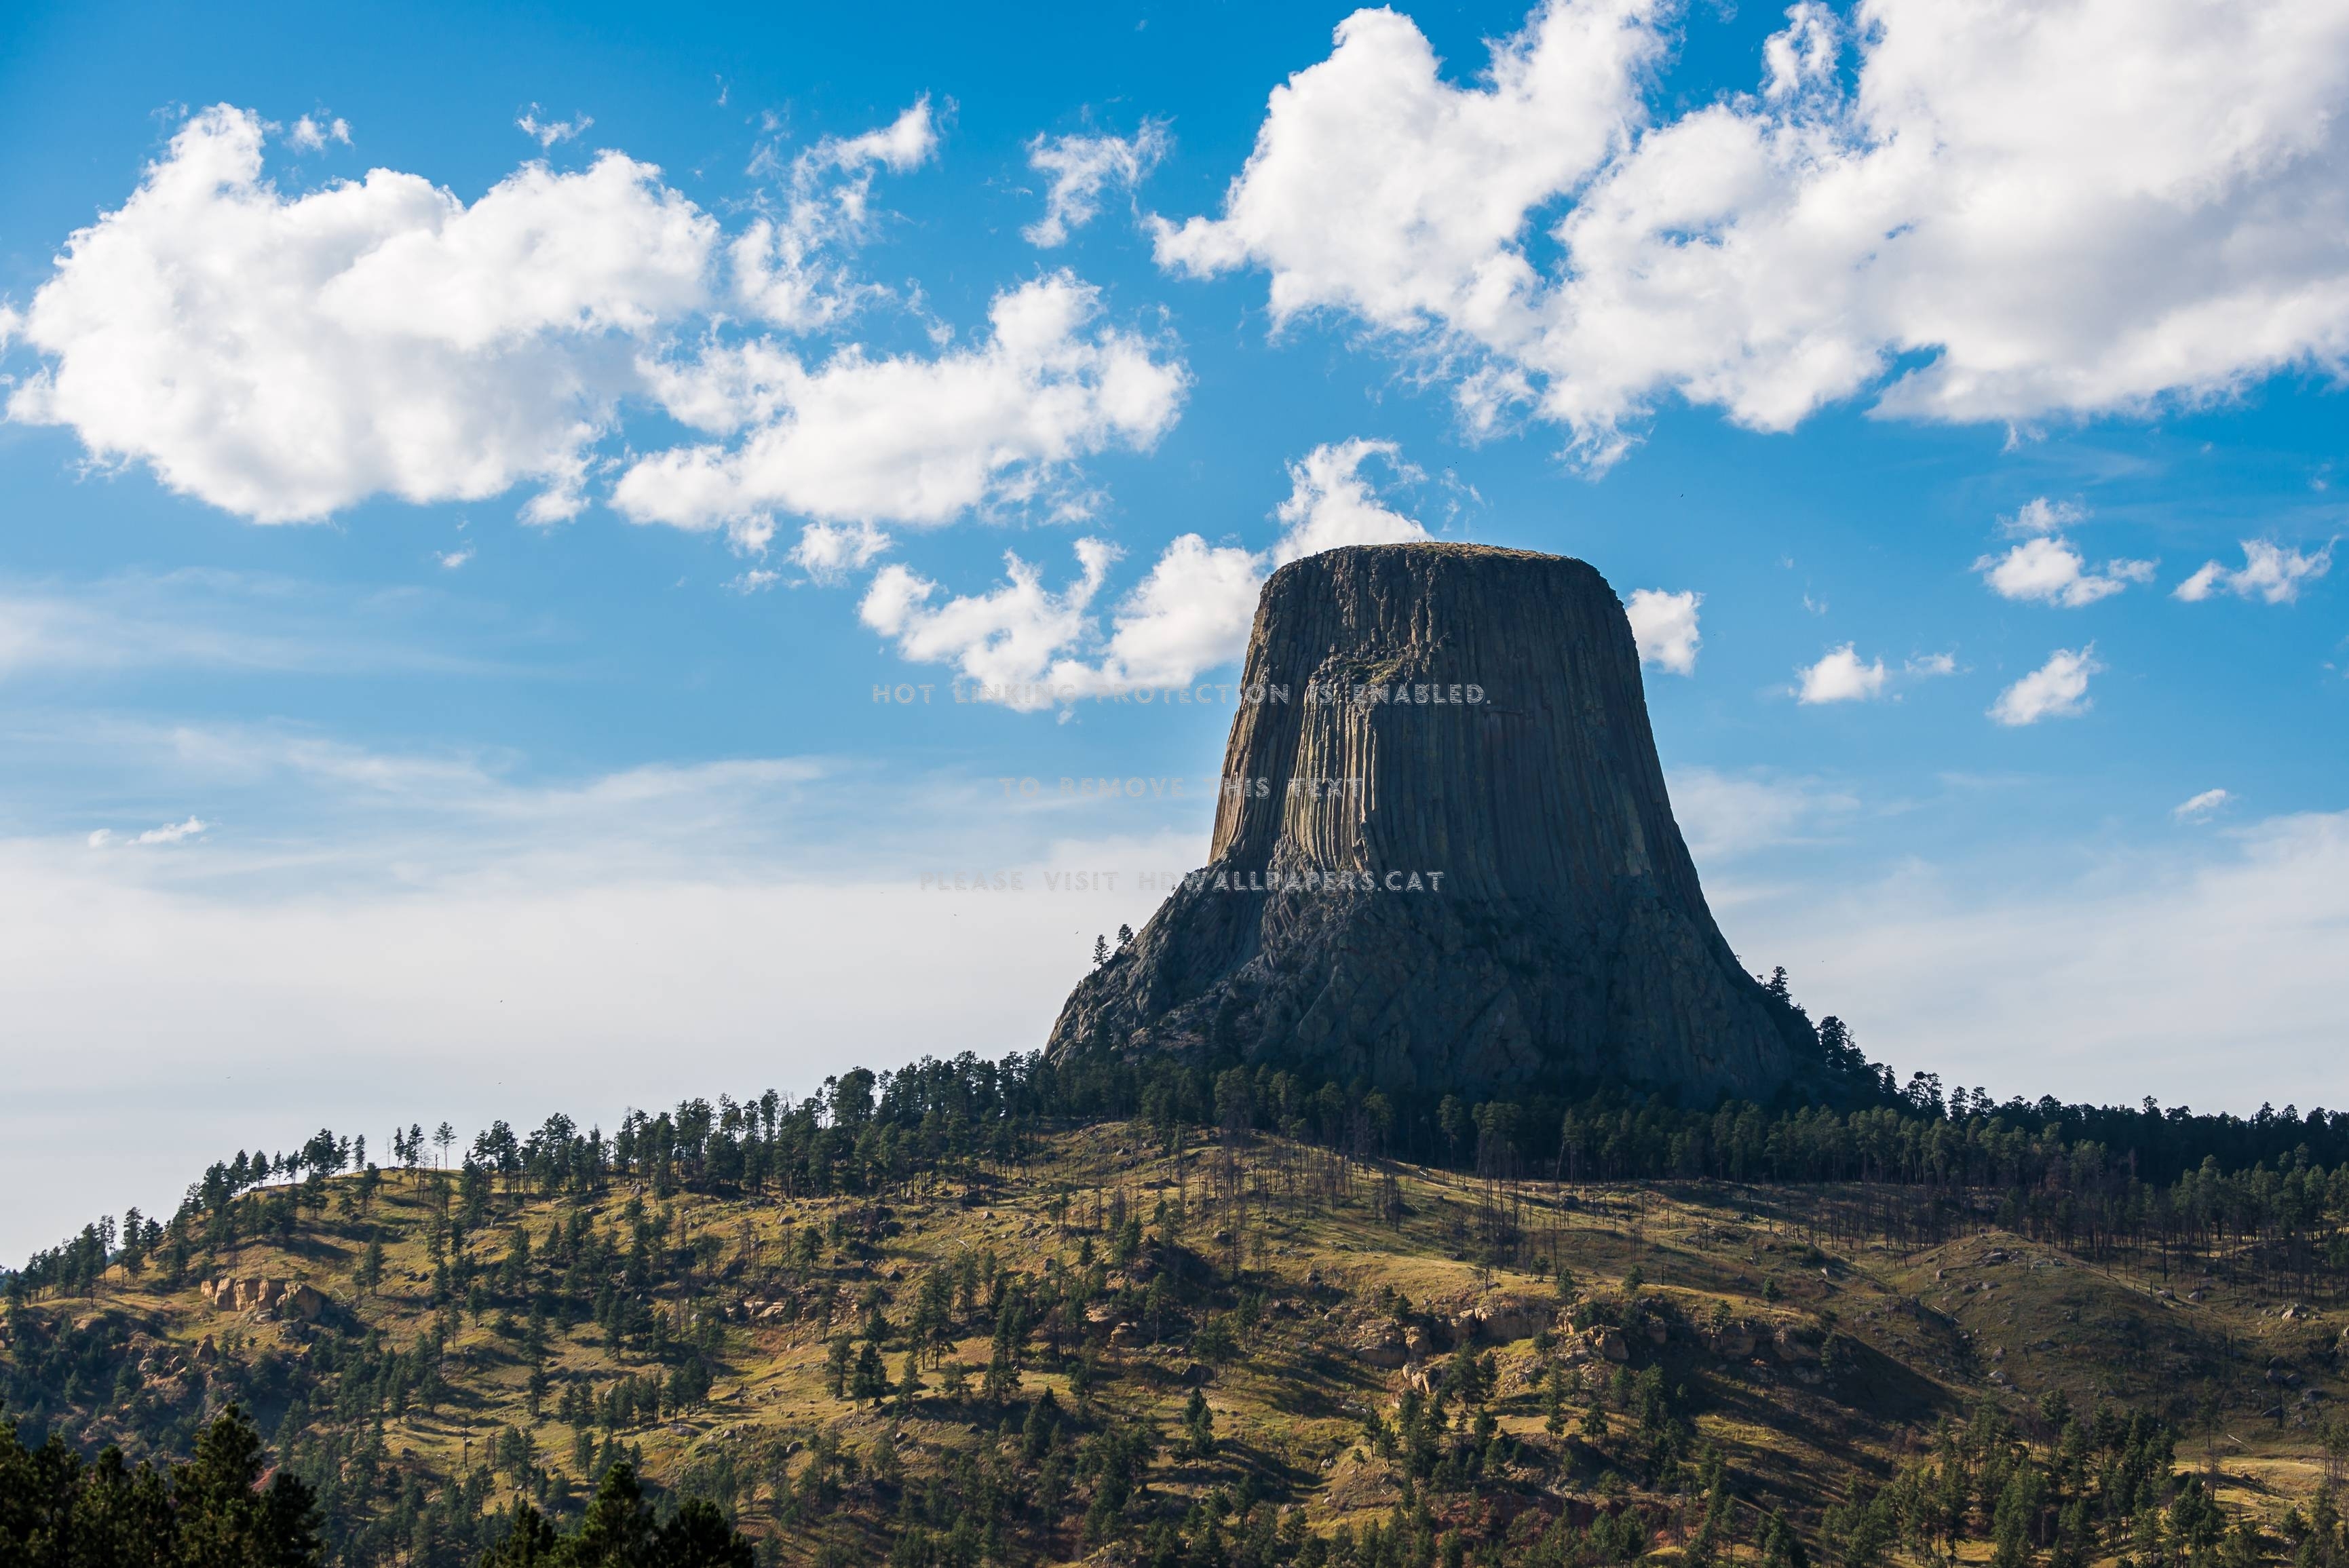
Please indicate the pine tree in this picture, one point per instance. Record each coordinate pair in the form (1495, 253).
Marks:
(871, 1378)
(909, 1387)
(1199, 1427)
(1001, 1384)
(835, 1367)
(370, 1270)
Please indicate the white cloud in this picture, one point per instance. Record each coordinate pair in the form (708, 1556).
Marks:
(1005, 636)
(757, 580)
(2049, 211)
(310, 135)
(2047, 570)
(2056, 689)
(907, 439)
(453, 559)
(905, 144)
(829, 551)
(1664, 625)
(784, 263)
(282, 358)
(2271, 572)
(1932, 664)
(2039, 515)
(1330, 502)
(169, 833)
(1840, 676)
(2101, 988)
(2200, 808)
(1193, 611)
(285, 357)
(1082, 169)
(1191, 614)
(548, 132)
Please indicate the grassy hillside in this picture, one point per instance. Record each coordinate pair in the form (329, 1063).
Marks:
(1247, 1349)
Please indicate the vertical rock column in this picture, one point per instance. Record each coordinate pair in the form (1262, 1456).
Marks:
(1472, 718)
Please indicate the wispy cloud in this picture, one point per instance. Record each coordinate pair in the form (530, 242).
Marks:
(1084, 169)
(548, 132)
(2201, 808)
(2038, 982)
(221, 620)
(1725, 816)
(169, 833)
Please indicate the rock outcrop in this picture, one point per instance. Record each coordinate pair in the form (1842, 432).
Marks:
(1443, 859)
(272, 1296)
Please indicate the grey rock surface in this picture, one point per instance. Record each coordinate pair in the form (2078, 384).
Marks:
(1558, 932)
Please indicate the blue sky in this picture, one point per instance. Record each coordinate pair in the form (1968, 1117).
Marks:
(465, 475)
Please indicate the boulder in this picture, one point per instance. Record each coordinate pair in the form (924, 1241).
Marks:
(1379, 1345)
(1794, 1343)
(1499, 1321)
(1734, 1343)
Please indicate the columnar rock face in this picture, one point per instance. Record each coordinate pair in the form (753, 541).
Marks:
(1444, 859)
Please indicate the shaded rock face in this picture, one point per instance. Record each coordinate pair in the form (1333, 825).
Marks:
(1557, 933)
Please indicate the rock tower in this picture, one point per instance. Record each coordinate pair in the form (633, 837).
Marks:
(1443, 859)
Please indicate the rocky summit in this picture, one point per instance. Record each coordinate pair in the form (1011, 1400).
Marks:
(1443, 857)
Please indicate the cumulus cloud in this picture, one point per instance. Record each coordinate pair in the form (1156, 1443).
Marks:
(1004, 637)
(283, 357)
(2046, 210)
(1841, 676)
(2201, 808)
(453, 559)
(2047, 570)
(903, 439)
(1083, 168)
(786, 263)
(2056, 689)
(1331, 502)
(2274, 573)
(1193, 611)
(1664, 625)
(1190, 613)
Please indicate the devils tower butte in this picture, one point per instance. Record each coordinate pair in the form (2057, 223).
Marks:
(1567, 940)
